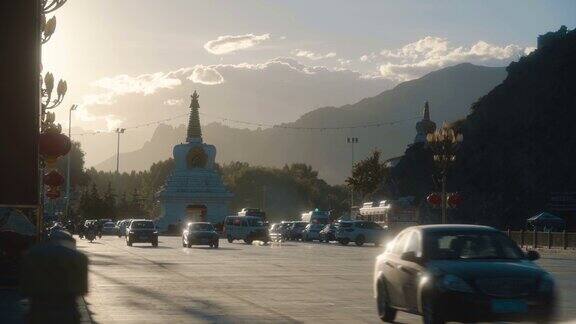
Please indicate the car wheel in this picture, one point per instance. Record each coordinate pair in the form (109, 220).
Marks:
(385, 312)
(230, 239)
(430, 314)
(344, 241)
(360, 240)
(248, 240)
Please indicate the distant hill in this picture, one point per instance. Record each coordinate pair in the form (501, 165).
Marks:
(450, 91)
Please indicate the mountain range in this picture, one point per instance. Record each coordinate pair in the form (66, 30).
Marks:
(319, 138)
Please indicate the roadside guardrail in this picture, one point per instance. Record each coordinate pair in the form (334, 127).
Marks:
(541, 239)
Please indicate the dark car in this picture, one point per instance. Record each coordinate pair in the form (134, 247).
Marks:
(199, 233)
(328, 233)
(296, 229)
(141, 231)
(461, 273)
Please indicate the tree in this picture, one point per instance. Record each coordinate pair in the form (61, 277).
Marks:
(109, 201)
(367, 175)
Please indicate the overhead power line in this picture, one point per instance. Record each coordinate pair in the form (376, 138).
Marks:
(257, 124)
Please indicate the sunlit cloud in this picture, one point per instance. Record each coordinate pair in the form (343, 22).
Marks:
(368, 57)
(144, 84)
(432, 53)
(206, 75)
(173, 102)
(231, 43)
(312, 55)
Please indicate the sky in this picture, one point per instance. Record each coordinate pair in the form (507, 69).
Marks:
(131, 62)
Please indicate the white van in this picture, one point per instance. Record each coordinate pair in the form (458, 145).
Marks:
(316, 217)
(247, 228)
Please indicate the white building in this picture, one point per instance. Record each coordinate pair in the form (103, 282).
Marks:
(194, 190)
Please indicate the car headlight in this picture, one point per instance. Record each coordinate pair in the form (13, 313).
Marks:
(546, 283)
(455, 283)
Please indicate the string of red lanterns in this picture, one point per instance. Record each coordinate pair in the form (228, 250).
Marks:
(453, 199)
(53, 145)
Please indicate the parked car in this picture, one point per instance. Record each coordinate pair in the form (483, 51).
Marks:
(200, 233)
(247, 228)
(312, 232)
(141, 231)
(328, 233)
(121, 227)
(109, 228)
(275, 232)
(360, 232)
(285, 228)
(295, 230)
(463, 273)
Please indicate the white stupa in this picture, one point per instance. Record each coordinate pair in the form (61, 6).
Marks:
(194, 190)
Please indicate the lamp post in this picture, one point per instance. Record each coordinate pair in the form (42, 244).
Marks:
(118, 131)
(73, 107)
(444, 144)
(352, 141)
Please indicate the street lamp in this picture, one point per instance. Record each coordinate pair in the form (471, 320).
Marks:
(73, 107)
(118, 131)
(352, 141)
(444, 144)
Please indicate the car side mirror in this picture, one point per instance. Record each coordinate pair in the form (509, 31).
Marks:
(532, 255)
(410, 256)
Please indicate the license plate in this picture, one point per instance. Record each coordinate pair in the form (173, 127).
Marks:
(501, 306)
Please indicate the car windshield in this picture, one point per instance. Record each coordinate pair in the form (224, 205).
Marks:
(201, 227)
(142, 224)
(470, 245)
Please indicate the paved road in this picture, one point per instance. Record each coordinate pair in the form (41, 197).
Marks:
(238, 283)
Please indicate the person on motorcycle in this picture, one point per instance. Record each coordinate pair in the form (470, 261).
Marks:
(90, 232)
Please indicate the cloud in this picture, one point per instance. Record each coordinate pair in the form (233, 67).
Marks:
(143, 84)
(344, 62)
(312, 55)
(206, 75)
(368, 57)
(231, 43)
(431, 53)
(119, 85)
(173, 102)
(273, 91)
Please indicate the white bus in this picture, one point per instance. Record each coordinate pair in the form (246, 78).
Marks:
(389, 214)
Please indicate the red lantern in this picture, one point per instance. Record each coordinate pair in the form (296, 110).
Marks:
(454, 199)
(434, 199)
(53, 179)
(52, 145)
(53, 193)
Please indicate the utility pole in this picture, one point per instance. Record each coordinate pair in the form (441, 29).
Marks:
(352, 141)
(118, 131)
(73, 107)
